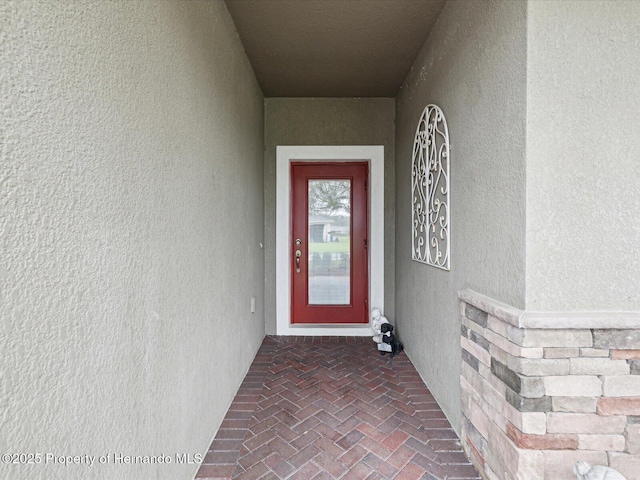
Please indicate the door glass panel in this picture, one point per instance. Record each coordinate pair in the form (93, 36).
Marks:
(329, 241)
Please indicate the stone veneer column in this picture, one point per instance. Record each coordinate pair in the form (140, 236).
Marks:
(541, 391)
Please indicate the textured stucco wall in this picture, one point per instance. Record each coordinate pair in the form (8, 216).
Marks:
(583, 156)
(131, 187)
(474, 67)
(327, 121)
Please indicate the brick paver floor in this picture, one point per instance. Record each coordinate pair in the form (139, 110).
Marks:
(333, 408)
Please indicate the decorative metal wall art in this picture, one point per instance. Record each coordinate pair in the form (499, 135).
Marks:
(430, 190)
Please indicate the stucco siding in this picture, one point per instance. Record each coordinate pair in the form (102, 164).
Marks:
(131, 213)
(473, 66)
(583, 156)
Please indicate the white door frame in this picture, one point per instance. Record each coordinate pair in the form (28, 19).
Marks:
(374, 154)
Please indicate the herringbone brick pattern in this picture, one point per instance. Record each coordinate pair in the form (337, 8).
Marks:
(333, 408)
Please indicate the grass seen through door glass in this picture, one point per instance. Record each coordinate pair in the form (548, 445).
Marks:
(342, 245)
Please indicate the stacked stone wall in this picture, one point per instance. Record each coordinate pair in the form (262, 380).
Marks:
(536, 400)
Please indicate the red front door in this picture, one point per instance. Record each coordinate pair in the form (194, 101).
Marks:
(329, 228)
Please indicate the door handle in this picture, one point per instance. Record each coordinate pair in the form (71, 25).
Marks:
(298, 255)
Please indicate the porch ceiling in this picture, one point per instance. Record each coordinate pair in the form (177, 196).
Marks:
(333, 48)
